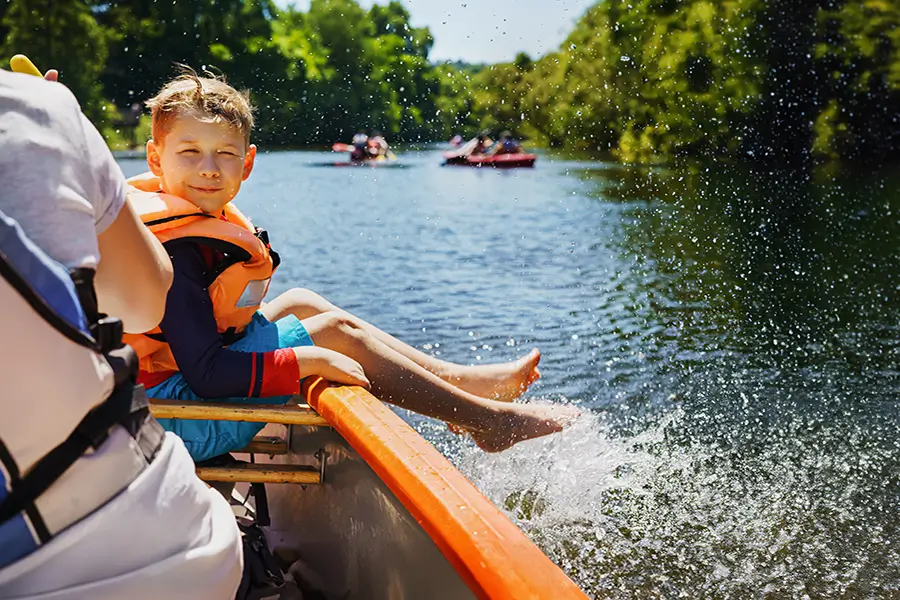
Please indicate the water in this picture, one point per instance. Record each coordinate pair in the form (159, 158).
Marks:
(732, 337)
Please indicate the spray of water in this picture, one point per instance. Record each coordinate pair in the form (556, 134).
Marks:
(642, 517)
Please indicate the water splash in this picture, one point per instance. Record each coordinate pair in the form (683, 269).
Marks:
(641, 516)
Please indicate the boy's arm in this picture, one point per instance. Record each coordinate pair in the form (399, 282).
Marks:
(211, 370)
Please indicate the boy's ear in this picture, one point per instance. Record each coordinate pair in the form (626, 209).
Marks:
(249, 160)
(153, 158)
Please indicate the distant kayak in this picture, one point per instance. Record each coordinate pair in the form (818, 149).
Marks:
(383, 160)
(372, 162)
(500, 161)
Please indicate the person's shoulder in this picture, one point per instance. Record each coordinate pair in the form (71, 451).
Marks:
(42, 106)
(36, 93)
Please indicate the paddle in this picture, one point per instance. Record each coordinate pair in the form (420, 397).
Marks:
(465, 149)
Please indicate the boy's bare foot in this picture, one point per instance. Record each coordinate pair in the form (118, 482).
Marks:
(522, 422)
(504, 382)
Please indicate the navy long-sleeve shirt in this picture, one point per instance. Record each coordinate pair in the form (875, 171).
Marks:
(189, 326)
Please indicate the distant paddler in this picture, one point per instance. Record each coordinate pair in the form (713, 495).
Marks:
(506, 145)
(358, 148)
(365, 148)
(379, 148)
(479, 144)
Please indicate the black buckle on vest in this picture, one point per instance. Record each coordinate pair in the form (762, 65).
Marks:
(108, 332)
(232, 335)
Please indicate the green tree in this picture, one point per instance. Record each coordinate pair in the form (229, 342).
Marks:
(64, 35)
(653, 80)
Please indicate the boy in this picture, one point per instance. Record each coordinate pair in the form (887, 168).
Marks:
(217, 339)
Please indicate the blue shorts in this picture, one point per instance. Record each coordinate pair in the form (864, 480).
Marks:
(206, 439)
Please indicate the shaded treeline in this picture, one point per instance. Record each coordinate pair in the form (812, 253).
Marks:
(315, 77)
(650, 80)
(654, 79)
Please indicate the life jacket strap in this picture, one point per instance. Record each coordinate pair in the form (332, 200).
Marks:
(107, 331)
(263, 236)
(127, 406)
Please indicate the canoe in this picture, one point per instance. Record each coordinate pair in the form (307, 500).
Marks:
(380, 161)
(506, 161)
(376, 161)
(378, 513)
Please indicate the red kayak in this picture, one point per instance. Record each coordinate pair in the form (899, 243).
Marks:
(500, 161)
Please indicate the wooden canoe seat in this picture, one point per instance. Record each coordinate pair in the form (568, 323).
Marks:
(252, 473)
(292, 414)
(265, 444)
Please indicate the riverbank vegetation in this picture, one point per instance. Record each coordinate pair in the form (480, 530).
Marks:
(648, 80)
(768, 79)
(315, 76)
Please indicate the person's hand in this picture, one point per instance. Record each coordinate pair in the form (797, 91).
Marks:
(51, 75)
(331, 365)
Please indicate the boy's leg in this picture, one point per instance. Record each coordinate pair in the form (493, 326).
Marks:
(399, 380)
(205, 439)
(504, 381)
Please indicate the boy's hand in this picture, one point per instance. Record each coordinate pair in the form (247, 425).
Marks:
(331, 365)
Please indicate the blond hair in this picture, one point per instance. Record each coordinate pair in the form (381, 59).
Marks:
(210, 96)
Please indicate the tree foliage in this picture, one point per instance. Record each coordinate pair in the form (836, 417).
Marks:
(315, 76)
(775, 80)
(648, 80)
(65, 34)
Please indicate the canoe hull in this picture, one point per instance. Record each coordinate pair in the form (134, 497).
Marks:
(498, 161)
(350, 536)
(385, 515)
(366, 163)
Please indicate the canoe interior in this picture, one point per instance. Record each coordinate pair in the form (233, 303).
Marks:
(350, 536)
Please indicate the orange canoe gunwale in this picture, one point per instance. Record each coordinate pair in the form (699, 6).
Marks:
(491, 554)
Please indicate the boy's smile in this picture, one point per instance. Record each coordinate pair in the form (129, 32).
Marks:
(202, 160)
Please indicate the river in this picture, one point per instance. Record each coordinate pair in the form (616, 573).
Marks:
(731, 336)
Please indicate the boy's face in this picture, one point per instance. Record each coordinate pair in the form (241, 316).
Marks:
(202, 161)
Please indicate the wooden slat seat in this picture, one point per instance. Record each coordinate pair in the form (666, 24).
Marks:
(292, 414)
(252, 473)
(265, 444)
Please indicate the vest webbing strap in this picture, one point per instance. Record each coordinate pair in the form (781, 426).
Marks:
(12, 275)
(12, 469)
(127, 406)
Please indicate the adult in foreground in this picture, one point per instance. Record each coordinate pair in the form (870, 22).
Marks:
(128, 518)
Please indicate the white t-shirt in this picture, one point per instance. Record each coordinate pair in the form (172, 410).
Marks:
(60, 182)
(167, 535)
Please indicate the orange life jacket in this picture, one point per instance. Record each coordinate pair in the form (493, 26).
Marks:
(241, 280)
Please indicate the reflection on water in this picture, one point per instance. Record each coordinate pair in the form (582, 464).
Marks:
(733, 334)
(756, 455)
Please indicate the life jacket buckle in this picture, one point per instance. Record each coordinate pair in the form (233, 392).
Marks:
(108, 331)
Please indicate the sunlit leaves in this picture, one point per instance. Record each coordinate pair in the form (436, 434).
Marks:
(652, 80)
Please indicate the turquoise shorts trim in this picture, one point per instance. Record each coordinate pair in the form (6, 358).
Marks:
(206, 439)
